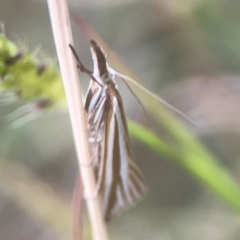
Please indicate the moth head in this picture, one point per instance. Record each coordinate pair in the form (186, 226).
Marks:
(100, 65)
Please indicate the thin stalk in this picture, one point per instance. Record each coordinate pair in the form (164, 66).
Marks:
(63, 37)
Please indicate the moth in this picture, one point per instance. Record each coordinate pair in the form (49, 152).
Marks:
(120, 182)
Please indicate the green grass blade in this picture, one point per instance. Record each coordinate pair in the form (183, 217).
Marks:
(203, 167)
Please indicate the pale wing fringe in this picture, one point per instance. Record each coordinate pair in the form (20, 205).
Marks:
(154, 96)
(134, 94)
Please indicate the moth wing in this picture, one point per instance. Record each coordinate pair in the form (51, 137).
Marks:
(121, 181)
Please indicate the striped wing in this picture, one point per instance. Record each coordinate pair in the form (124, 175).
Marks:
(121, 182)
(94, 106)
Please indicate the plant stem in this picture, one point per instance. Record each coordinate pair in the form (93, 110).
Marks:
(63, 37)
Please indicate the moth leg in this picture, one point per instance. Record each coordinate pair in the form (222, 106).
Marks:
(81, 66)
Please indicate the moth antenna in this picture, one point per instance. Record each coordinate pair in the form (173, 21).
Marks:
(79, 63)
(134, 94)
(82, 67)
(154, 96)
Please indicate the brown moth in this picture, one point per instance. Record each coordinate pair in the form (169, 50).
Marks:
(119, 180)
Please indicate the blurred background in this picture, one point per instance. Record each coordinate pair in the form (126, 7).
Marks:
(187, 52)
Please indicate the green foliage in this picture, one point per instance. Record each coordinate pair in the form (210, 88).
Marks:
(21, 74)
(196, 161)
